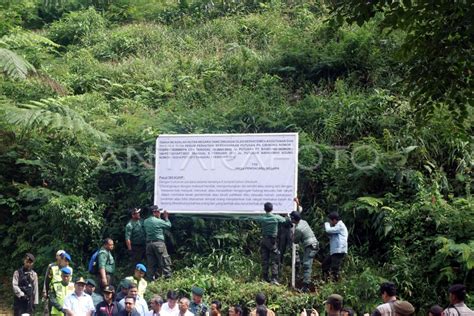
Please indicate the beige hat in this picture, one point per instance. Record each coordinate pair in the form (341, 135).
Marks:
(333, 298)
(403, 308)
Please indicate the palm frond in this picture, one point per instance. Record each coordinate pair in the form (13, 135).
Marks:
(23, 39)
(50, 115)
(13, 65)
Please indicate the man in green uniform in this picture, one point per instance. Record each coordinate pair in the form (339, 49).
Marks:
(156, 252)
(106, 263)
(135, 237)
(268, 246)
(59, 291)
(305, 235)
(197, 306)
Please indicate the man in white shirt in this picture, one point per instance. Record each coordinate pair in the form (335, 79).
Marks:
(140, 304)
(184, 307)
(79, 303)
(457, 295)
(337, 232)
(170, 308)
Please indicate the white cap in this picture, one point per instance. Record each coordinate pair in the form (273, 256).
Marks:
(60, 252)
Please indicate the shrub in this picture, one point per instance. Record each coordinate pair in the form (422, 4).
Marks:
(230, 291)
(77, 27)
(137, 39)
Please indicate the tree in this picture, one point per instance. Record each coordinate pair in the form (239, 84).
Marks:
(437, 48)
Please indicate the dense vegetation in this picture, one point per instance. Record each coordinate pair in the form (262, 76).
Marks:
(88, 85)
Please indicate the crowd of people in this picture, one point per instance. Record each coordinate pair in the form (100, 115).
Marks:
(145, 239)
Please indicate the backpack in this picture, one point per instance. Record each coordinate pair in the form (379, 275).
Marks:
(93, 266)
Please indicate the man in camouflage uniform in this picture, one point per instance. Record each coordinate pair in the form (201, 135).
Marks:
(305, 235)
(197, 306)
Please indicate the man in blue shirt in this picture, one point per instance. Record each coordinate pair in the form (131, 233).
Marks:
(337, 232)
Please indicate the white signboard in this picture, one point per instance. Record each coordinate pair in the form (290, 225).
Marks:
(226, 173)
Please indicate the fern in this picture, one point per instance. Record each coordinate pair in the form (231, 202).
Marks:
(50, 115)
(13, 65)
(26, 39)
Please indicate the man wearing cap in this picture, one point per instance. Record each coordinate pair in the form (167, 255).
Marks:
(140, 304)
(268, 246)
(90, 289)
(197, 306)
(170, 308)
(139, 278)
(25, 287)
(106, 263)
(47, 279)
(457, 307)
(108, 307)
(155, 306)
(305, 235)
(135, 236)
(59, 291)
(53, 272)
(156, 252)
(78, 303)
(337, 232)
(123, 290)
(333, 305)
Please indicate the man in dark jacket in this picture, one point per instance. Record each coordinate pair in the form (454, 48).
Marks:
(25, 287)
(108, 307)
(129, 309)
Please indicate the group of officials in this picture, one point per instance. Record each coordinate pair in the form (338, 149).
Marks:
(146, 239)
(303, 234)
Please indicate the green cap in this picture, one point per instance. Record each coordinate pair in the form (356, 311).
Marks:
(124, 284)
(197, 291)
(91, 282)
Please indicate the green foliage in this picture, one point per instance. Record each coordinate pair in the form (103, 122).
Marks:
(230, 291)
(50, 115)
(14, 65)
(77, 141)
(355, 53)
(128, 40)
(77, 27)
(438, 39)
